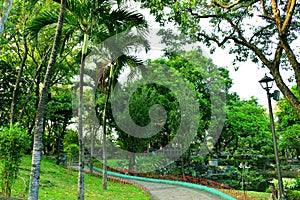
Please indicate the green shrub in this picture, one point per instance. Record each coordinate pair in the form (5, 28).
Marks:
(288, 183)
(293, 195)
(147, 163)
(13, 144)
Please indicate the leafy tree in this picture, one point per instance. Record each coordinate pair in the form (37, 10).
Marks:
(58, 117)
(196, 70)
(246, 130)
(13, 144)
(6, 80)
(14, 51)
(144, 99)
(94, 19)
(211, 84)
(13, 44)
(259, 30)
(288, 127)
(70, 143)
(111, 56)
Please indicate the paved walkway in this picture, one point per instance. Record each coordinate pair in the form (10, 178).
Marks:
(160, 191)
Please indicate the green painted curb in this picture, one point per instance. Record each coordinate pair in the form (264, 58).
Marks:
(189, 185)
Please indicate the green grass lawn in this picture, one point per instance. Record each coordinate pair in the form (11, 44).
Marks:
(57, 183)
(258, 195)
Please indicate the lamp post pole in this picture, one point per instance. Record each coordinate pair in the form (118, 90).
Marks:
(280, 183)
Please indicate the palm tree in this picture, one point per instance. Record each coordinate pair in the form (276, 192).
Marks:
(38, 131)
(112, 55)
(95, 20)
(5, 7)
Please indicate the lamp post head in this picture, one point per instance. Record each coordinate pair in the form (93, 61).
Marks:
(266, 82)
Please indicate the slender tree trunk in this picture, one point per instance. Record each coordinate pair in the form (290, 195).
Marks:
(17, 84)
(5, 15)
(61, 135)
(38, 131)
(104, 180)
(131, 161)
(94, 129)
(32, 84)
(80, 189)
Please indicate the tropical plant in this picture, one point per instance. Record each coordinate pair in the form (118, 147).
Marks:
(4, 11)
(148, 163)
(38, 131)
(117, 50)
(70, 143)
(6, 90)
(14, 142)
(88, 19)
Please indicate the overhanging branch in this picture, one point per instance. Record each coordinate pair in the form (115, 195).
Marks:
(228, 6)
(289, 13)
(196, 15)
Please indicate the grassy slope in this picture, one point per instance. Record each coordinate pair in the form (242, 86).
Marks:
(56, 183)
(258, 195)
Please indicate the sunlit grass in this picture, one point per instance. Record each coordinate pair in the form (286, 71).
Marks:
(258, 195)
(57, 183)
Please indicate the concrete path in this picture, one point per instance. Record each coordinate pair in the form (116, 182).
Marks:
(160, 191)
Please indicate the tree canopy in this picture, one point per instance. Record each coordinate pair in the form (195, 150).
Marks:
(288, 125)
(263, 31)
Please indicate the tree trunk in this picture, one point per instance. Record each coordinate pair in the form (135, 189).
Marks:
(80, 189)
(38, 131)
(93, 132)
(17, 84)
(5, 15)
(292, 99)
(104, 180)
(131, 161)
(38, 70)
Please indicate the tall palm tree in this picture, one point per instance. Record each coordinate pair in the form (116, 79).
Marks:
(93, 21)
(4, 8)
(111, 57)
(38, 131)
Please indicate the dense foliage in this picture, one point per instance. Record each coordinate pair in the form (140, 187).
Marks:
(263, 31)
(13, 145)
(181, 91)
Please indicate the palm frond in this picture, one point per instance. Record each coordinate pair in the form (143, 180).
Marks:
(124, 16)
(32, 2)
(44, 18)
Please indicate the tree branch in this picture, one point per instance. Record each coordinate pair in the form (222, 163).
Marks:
(276, 14)
(286, 91)
(277, 57)
(225, 39)
(266, 15)
(293, 61)
(256, 34)
(197, 16)
(289, 13)
(228, 6)
(235, 28)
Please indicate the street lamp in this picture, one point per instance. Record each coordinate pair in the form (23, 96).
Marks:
(267, 83)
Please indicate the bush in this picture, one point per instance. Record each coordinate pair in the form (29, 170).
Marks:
(288, 183)
(13, 144)
(148, 163)
(293, 195)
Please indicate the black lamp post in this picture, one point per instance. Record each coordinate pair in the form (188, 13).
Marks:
(267, 83)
